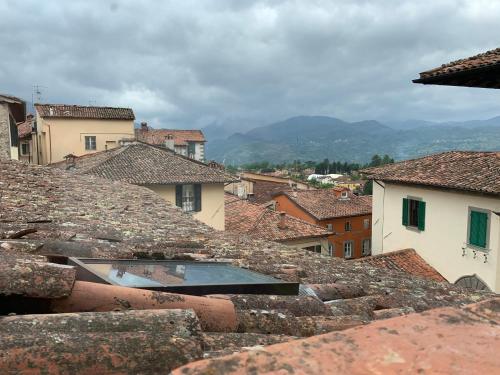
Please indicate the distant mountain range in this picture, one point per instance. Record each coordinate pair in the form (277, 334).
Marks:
(319, 137)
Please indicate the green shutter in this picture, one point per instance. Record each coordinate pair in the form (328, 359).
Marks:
(178, 195)
(421, 215)
(197, 198)
(478, 228)
(405, 212)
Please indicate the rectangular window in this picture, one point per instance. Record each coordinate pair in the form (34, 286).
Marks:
(314, 249)
(414, 213)
(329, 227)
(25, 148)
(347, 226)
(366, 223)
(90, 142)
(330, 249)
(478, 228)
(188, 197)
(367, 247)
(348, 248)
(191, 149)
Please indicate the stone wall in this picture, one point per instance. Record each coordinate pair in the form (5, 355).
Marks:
(4, 132)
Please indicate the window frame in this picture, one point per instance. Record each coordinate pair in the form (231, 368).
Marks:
(347, 226)
(331, 249)
(488, 224)
(329, 227)
(90, 137)
(22, 151)
(419, 201)
(351, 242)
(366, 223)
(369, 247)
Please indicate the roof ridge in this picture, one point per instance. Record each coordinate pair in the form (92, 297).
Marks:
(77, 105)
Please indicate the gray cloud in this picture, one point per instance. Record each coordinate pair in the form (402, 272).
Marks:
(189, 63)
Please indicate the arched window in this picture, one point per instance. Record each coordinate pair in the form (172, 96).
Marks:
(472, 282)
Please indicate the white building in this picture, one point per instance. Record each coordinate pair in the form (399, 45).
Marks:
(447, 208)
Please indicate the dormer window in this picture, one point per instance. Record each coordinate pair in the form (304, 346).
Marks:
(344, 194)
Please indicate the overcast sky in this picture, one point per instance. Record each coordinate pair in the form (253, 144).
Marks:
(189, 63)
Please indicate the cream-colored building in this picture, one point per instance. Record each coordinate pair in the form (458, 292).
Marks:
(12, 111)
(191, 185)
(78, 130)
(446, 207)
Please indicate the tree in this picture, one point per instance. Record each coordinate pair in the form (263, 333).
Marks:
(368, 188)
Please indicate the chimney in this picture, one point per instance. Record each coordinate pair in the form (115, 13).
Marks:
(144, 126)
(282, 222)
(29, 116)
(169, 142)
(51, 111)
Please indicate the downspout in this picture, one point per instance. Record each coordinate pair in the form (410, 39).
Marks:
(383, 212)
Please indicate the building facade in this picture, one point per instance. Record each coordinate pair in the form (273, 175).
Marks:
(346, 215)
(78, 130)
(447, 208)
(12, 110)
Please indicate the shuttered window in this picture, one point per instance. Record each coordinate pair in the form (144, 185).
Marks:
(414, 213)
(188, 197)
(478, 228)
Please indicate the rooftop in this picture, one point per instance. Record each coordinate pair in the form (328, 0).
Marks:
(77, 326)
(141, 164)
(406, 260)
(246, 217)
(84, 112)
(325, 204)
(476, 71)
(157, 136)
(472, 171)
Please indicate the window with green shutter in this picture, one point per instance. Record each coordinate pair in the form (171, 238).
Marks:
(478, 228)
(413, 213)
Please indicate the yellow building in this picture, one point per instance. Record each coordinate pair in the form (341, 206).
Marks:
(70, 129)
(189, 184)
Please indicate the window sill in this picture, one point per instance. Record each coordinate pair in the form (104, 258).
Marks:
(413, 229)
(477, 248)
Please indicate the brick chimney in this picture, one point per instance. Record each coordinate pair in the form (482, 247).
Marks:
(282, 222)
(144, 126)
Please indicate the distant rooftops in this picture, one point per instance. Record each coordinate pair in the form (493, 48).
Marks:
(481, 70)
(142, 164)
(330, 203)
(473, 171)
(84, 112)
(158, 136)
(245, 217)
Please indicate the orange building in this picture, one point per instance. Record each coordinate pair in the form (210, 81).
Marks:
(338, 210)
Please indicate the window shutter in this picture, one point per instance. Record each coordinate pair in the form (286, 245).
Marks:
(483, 228)
(421, 215)
(478, 228)
(405, 212)
(178, 195)
(197, 197)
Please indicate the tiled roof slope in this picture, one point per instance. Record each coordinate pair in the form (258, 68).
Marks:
(406, 260)
(24, 128)
(84, 112)
(141, 164)
(263, 191)
(463, 170)
(181, 137)
(10, 99)
(482, 60)
(242, 216)
(326, 204)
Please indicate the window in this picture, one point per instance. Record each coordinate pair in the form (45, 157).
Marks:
(344, 194)
(191, 149)
(25, 148)
(314, 249)
(347, 226)
(367, 247)
(90, 142)
(329, 227)
(348, 245)
(414, 213)
(366, 223)
(330, 249)
(478, 228)
(188, 197)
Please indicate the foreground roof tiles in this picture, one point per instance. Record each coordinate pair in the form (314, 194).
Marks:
(84, 112)
(242, 216)
(142, 164)
(406, 260)
(158, 136)
(444, 341)
(473, 171)
(326, 203)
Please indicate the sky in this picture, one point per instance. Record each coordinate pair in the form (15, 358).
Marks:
(245, 63)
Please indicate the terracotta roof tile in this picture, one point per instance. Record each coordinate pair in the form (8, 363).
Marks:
(464, 170)
(263, 191)
(139, 163)
(246, 217)
(24, 128)
(327, 203)
(486, 59)
(84, 112)
(406, 260)
(181, 137)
